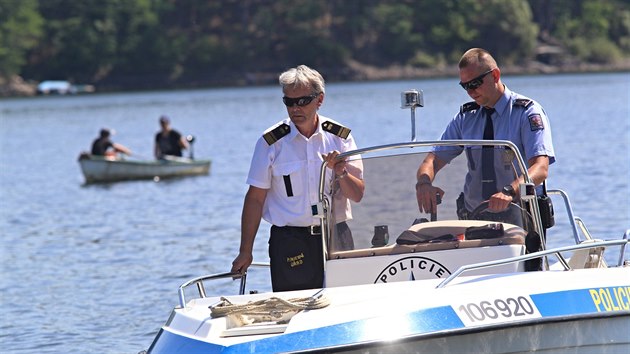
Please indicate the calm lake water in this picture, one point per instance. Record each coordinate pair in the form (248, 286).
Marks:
(95, 269)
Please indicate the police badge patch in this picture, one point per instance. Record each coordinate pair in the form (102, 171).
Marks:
(536, 122)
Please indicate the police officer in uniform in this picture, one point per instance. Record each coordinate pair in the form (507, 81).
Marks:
(496, 113)
(284, 184)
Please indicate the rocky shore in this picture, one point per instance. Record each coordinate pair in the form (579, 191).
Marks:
(16, 86)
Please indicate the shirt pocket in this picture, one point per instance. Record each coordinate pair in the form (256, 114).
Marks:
(289, 177)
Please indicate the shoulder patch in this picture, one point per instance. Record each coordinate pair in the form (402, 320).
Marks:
(336, 129)
(523, 102)
(277, 133)
(467, 107)
(536, 122)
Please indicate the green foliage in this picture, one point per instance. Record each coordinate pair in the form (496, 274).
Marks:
(395, 35)
(512, 34)
(620, 28)
(159, 42)
(597, 50)
(20, 30)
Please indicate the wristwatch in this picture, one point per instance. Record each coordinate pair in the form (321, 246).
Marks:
(509, 190)
(343, 174)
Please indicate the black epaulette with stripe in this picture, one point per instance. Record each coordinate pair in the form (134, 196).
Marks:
(523, 102)
(336, 129)
(467, 107)
(277, 133)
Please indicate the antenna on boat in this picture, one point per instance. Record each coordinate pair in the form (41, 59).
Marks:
(412, 99)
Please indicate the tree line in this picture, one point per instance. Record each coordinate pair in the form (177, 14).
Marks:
(136, 44)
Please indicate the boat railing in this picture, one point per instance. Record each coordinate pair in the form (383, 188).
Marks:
(555, 251)
(626, 236)
(200, 286)
(573, 220)
(577, 222)
(199, 282)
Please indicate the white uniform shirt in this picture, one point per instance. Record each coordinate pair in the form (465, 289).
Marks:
(297, 159)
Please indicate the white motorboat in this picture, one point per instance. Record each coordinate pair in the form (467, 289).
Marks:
(103, 169)
(489, 283)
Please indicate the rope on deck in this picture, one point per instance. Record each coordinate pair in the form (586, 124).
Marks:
(273, 309)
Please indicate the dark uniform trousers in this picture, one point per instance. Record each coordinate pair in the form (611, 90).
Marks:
(296, 254)
(297, 259)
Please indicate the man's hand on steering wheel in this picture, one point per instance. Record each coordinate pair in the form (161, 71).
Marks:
(499, 202)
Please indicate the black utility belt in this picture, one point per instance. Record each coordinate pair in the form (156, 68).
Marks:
(314, 230)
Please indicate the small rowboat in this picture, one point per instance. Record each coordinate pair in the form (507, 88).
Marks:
(103, 169)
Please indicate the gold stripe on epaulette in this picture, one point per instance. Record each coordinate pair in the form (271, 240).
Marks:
(336, 129)
(277, 133)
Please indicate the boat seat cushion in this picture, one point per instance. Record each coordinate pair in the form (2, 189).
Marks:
(513, 235)
(451, 231)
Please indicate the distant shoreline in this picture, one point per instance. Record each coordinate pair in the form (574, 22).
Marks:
(534, 68)
(16, 86)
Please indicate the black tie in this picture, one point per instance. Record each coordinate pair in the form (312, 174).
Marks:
(488, 182)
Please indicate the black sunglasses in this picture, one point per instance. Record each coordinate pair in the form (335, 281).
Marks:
(300, 101)
(474, 83)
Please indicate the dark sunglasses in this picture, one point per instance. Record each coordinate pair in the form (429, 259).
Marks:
(474, 83)
(300, 101)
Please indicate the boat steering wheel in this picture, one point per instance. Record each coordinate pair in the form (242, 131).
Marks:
(514, 214)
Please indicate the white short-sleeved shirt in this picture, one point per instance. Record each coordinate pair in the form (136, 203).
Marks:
(525, 124)
(290, 169)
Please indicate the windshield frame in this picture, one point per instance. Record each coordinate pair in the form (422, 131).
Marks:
(384, 150)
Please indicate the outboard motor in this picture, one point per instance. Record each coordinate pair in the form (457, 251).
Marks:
(191, 139)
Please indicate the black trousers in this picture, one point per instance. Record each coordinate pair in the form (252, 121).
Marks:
(296, 259)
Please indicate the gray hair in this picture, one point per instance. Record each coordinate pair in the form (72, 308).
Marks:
(302, 76)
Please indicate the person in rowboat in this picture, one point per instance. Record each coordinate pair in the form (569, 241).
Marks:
(284, 185)
(168, 141)
(103, 145)
(496, 113)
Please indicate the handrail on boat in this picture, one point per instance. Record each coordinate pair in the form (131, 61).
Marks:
(626, 235)
(576, 222)
(528, 256)
(582, 225)
(202, 291)
(572, 218)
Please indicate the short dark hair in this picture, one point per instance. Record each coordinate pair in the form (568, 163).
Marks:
(478, 56)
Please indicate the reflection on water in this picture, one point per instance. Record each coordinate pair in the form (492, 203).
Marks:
(98, 267)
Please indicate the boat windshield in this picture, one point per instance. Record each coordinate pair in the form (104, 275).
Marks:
(389, 206)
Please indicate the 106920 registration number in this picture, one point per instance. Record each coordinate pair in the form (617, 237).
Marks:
(497, 310)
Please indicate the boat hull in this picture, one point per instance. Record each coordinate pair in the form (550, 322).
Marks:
(410, 317)
(601, 334)
(103, 170)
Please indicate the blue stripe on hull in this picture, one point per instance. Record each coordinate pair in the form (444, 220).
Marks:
(395, 326)
(562, 303)
(575, 302)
